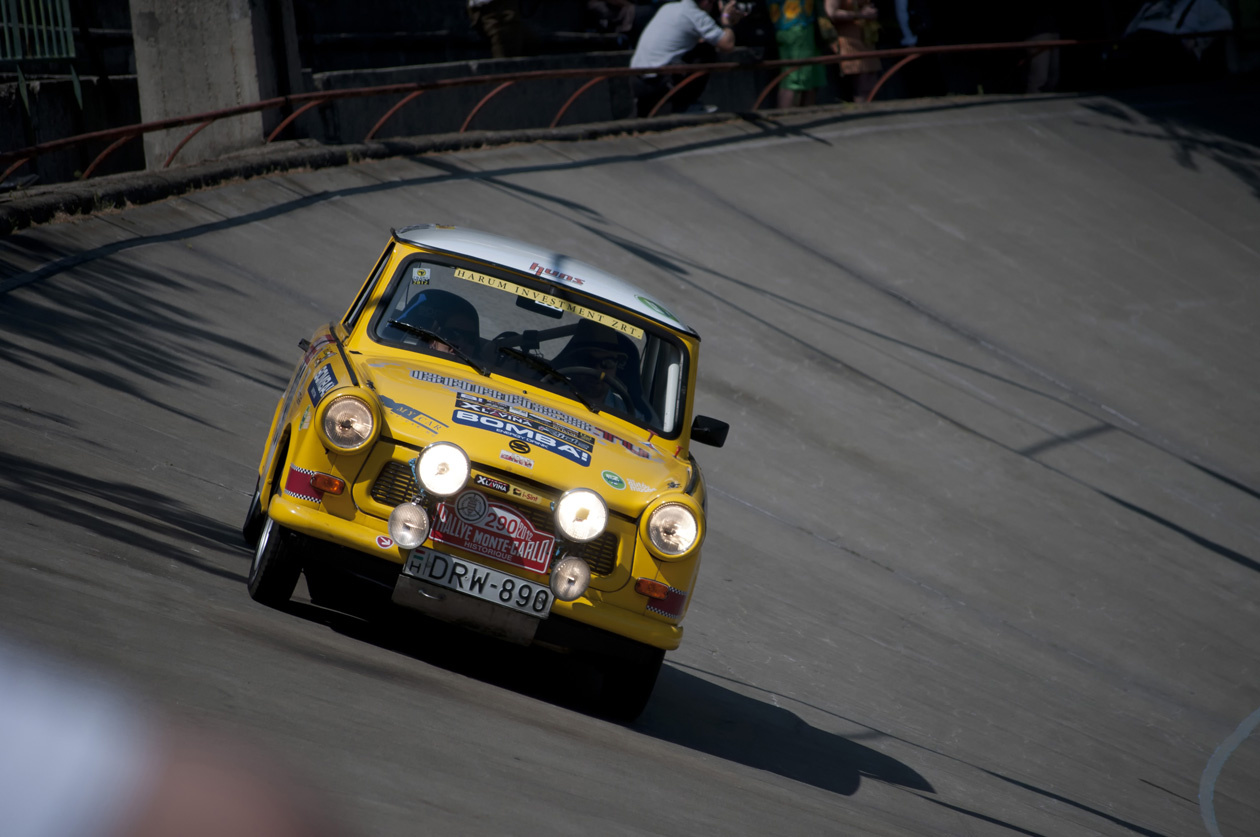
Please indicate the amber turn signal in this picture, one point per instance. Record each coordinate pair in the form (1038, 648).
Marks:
(328, 484)
(651, 588)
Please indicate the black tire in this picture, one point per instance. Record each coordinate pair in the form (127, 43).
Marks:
(627, 684)
(254, 518)
(274, 573)
(343, 591)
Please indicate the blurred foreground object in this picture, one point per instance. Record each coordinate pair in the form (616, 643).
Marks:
(81, 760)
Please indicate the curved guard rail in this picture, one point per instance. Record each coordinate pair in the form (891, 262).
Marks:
(303, 102)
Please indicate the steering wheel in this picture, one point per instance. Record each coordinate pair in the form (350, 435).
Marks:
(623, 392)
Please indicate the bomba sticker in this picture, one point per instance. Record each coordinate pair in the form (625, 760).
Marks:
(521, 434)
(614, 480)
(499, 410)
(322, 383)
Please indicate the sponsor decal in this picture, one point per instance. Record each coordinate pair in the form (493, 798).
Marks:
(522, 436)
(539, 270)
(298, 484)
(500, 533)
(527, 496)
(551, 301)
(516, 459)
(491, 483)
(419, 276)
(384, 541)
(658, 308)
(320, 342)
(411, 414)
(470, 506)
(321, 383)
(671, 605)
(464, 389)
(306, 418)
(614, 480)
(616, 440)
(497, 409)
(641, 487)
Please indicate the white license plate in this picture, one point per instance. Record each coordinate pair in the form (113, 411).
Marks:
(480, 582)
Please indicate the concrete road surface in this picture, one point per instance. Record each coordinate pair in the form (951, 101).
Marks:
(985, 538)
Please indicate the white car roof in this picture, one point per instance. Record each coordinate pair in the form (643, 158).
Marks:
(546, 265)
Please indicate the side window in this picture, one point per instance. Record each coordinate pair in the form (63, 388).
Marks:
(352, 316)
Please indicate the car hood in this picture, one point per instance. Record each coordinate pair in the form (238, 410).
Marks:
(525, 431)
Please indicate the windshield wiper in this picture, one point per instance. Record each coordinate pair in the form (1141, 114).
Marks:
(431, 336)
(549, 371)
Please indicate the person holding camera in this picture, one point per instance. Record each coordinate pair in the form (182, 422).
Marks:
(683, 32)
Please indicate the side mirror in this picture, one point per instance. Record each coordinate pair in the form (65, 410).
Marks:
(709, 431)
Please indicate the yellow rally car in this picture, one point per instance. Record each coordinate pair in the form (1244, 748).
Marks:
(500, 436)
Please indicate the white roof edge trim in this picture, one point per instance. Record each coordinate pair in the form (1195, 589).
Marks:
(556, 268)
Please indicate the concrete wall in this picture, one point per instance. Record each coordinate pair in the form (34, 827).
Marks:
(204, 55)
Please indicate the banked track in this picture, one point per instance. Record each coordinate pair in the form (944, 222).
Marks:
(985, 544)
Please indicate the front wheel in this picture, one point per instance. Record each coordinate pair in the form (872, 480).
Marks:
(628, 684)
(253, 526)
(274, 573)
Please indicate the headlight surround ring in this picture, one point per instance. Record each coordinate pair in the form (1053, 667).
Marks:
(581, 515)
(672, 527)
(442, 469)
(348, 421)
(409, 525)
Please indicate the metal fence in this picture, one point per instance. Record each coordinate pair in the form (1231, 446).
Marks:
(35, 30)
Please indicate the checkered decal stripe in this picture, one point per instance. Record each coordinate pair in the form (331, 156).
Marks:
(671, 605)
(298, 484)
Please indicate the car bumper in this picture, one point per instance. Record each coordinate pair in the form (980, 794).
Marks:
(319, 524)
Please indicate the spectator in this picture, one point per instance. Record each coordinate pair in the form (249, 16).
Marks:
(908, 36)
(676, 30)
(853, 24)
(80, 760)
(613, 16)
(500, 21)
(795, 31)
(1043, 64)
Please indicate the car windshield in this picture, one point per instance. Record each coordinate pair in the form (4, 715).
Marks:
(541, 335)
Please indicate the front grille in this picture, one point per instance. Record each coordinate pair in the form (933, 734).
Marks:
(396, 485)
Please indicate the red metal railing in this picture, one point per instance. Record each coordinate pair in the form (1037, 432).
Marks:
(303, 102)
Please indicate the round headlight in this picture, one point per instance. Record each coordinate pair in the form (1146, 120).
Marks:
(348, 422)
(442, 469)
(673, 528)
(581, 515)
(570, 578)
(408, 525)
